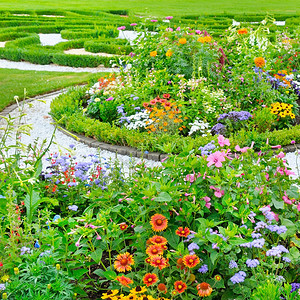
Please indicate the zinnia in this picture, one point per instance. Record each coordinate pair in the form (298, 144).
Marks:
(153, 53)
(191, 261)
(123, 262)
(259, 62)
(182, 41)
(207, 39)
(204, 289)
(169, 53)
(180, 286)
(159, 222)
(150, 278)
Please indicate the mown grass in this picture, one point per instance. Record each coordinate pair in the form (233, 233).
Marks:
(162, 7)
(13, 82)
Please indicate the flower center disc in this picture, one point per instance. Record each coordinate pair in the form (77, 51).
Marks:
(123, 262)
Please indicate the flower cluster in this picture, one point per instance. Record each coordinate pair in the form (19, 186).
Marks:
(282, 110)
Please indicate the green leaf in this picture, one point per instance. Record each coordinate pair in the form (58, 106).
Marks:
(163, 197)
(31, 203)
(278, 204)
(97, 255)
(291, 228)
(109, 275)
(213, 256)
(79, 273)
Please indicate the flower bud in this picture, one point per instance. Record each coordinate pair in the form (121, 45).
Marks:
(16, 271)
(57, 267)
(48, 286)
(4, 296)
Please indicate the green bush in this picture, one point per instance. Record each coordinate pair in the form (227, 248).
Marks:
(96, 47)
(12, 35)
(24, 41)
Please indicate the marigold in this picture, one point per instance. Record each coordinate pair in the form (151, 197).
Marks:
(191, 261)
(126, 281)
(159, 222)
(138, 290)
(150, 278)
(154, 250)
(123, 262)
(158, 240)
(204, 289)
(201, 40)
(207, 39)
(123, 226)
(183, 232)
(180, 286)
(182, 41)
(169, 53)
(153, 53)
(259, 62)
(243, 31)
(158, 262)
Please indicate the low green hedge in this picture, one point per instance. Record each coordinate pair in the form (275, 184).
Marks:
(67, 110)
(108, 31)
(24, 41)
(12, 35)
(96, 47)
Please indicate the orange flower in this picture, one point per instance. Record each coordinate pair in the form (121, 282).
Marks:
(150, 278)
(204, 289)
(124, 280)
(158, 240)
(207, 39)
(182, 41)
(148, 260)
(158, 262)
(180, 264)
(201, 39)
(243, 31)
(154, 250)
(259, 62)
(153, 53)
(180, 286)
(183, 232)
(169, 53)
(159, 222)
(162, 287)
(123, 262)
(123, 226)
(191, 261)
(218, 277)
(166, 96)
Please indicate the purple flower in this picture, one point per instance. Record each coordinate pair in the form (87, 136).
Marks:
(276, 251)
(252, 214)
(232, 264)
(280, 278)
(258, 243)
(72, 146)
(260, 225)
(238, 277)
(135, 98)
(203, 269)
(218, 129)
(295, 287)
(286, 259)
(252, 263)
(255, 235)
(73, 207)
(192, 247)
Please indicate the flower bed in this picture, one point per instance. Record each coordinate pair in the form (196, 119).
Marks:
(183, 85)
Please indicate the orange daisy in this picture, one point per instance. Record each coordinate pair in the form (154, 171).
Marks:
(153, 53)
(158, 240)
(182, 41)
(259, 62)
(180, 286)
(126, 281)
(154, 250)
(159, 262)
(204, 289)
(123, 262)
(191, 261)
(183, 232)
(150, 278)
(159, 222)
(123, 226)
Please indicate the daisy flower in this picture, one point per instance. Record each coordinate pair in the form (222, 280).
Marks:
(191, 261)
(159, 222)
(150, 278)
(180, 286)
(184, 232)
(159, 262)
(123, 262)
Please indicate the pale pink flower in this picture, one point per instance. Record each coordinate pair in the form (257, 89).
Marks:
(207, 202)
(243, 150)
(218, 193)
(121, 28)
(281, 155)
(216, 159)
(153, 21)
(276, 147)
(178, 29)
(169, 18)
(222, 141)
(288, 172)
(169, 29)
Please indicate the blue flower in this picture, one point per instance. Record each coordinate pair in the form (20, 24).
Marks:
(36, 244)
(73, 207)
(252, 263)
(56, 217)
(203, 269)
(232, 264)
(238, 277)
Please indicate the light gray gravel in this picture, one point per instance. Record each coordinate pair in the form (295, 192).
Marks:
(51, 39)
(38, 116)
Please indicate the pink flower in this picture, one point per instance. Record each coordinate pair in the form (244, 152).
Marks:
(190, 177)
(169, 29)
(178, 29)
(281, 155)
(276, 147)
(198, 31)
(133, 24)
(298, 206)
(207, 200)
(267, 176)
(109, 99)
(288, 172)
(218, 193)
(287, 200)
(121, 28)
(216, 159)
(169, 18)
(243, 150)
(222, 141)
(153, 21)
(293, 142)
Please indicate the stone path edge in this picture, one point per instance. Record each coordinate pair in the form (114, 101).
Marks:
(123, 150)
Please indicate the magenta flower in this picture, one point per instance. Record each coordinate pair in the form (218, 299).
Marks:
(109, 99)
(198, 31)
(293, 142)
(169, 29)
(216, 159)
(218, 192)
(121, 28)
(287, 200)
(153, 21)
(169, 18)
(207, 201)
(222, 141)
(276, 147)
(178, 29)
(298, 207)
(133, 24)
(281, 155)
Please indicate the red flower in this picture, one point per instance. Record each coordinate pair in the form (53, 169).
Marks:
(180, 286)
(124, 280)
(166, 96)
(159, 262)
(159, 222)
(162, 287)
(150, 278)
(158, 240)
(154, 250)
(124, 262)
(183, 232)
(123, 226)
(204, 289)
(1, 264)
(191, 261)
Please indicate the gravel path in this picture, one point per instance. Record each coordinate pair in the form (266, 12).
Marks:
(38, 116)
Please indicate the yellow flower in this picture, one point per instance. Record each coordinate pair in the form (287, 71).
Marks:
(292, 116)
(153, 53)
(259, 62)
(201, 39)
(182, 41)
(5, 278)
(169, 53)
(207, 39)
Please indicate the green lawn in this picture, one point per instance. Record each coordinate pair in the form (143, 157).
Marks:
(162, 7)
(13, 82)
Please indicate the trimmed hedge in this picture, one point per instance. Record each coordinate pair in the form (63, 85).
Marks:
(12, 35)
(95, 47)
(108, 31)
(24, 41)
(66, 109)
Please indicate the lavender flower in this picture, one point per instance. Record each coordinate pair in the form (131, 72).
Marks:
(286, 259)
(73, 207)
(255, 235)
(252, 263)
(276, 251)
(192, 247)
(2, 287)
(203, 269)
(232, 264)
(238, 277)
(280, 278)
(207, 149)
(295, 287)
(218, 129)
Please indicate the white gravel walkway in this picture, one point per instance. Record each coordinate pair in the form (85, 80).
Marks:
(38, 116)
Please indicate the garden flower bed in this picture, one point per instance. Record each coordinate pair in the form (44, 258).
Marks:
(182, 86)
